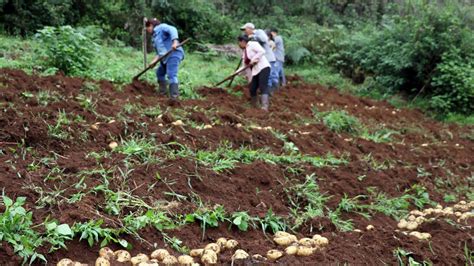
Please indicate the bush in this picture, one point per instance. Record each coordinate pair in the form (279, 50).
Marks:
(428, 53)
(65, 48)
(341, 121)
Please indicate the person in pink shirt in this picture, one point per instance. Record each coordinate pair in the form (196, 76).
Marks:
(257, 74)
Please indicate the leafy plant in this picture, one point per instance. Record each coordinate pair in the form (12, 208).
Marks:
(341, 121)
(93, 232)
(207, 218)
(242, 220)
(65, 48)
(273, 222)
(16, 229)
(56, 235)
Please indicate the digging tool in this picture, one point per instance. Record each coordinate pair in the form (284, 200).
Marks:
(159, 60)
(233, 75)
(238, 66)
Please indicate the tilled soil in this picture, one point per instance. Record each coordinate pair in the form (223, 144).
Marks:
(421, 145)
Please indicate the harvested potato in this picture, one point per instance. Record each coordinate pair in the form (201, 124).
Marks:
(426, 235)
(65, 262)
(420, 236)
(107, 253)
(411, 218)
(305, 251)
(102, 262)
(170, 260)
(209, 257)
(122, 256)
(458, 214)
(95, 126)
(221, 242)
(439, 207)
(149, 263)
(291, 250)
(207, 126)
(113, 145)
(214, 247)
(281, 234)
(196, 252)
(402, 224)
(417, 213)
(139, 258)
(462, 202)
(370, 227)
(285, 240)
(240, 254)
(412, 226)
(178, 123)
(185, 260)
(321, 240)
(274, 254)
(307, 242)
(258, 257)
(159, 254)
(231, 244)
(357, 230)
(420, 220)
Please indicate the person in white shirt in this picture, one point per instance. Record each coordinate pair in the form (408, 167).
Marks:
(253, 56)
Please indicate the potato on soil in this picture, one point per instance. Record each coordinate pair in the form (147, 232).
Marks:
(170, 260)
(240, 254)
(113, 145)
(159, 254)
(139, 258)
(102, 262)
(305, 251)
(214, 247)
(221, 242)
(291, 250)
(412, 226)
(122, 255)
(370, 227)
(65, 262)
(149, 263)
(107, 253)
(282, 234)
(274, 254)
(307, 242)
(207, 126)
(321, 240)
(196, 252)
(185, 260)
(209, 257)
(258, 257)
(231, 244)
(402, 224)
(178, 123)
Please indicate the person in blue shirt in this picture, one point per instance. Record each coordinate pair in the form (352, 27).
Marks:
(164, 38)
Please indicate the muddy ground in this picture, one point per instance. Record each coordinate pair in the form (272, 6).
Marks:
(421, 145)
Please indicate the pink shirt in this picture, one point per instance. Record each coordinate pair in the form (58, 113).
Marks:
(255, 53)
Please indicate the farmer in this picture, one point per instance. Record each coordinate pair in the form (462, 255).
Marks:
(165, 38)
(261, 37)
(279, 55)
(258, 72)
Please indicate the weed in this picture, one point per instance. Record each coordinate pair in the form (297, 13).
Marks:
(340, 122)
(16, 229)
(45, 97)
(87, 103)
(468, 255)
(273, 222)
(93, 232)
(142, 149)
(207, 217)
(57, 131)
(89, 86)
(241, 220)
(57, 234)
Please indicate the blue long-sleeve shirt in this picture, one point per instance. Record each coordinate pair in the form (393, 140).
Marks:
(162, 39)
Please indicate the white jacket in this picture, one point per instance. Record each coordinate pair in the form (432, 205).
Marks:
(256, 54)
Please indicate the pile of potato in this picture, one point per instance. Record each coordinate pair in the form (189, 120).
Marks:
(302, 247)
(462, 211)
(209, 254)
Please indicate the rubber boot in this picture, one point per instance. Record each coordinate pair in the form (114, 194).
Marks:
(174, 91)
(163, 88)
(265, 102)
(254, 101)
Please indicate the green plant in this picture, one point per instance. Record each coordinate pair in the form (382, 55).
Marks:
(404, 256)
(16, 229)
(273, 222)
(207, 217)
(57, 130)
(93, 232)
(57, 234)
(241, 220)
(65, 48)
(341, 121)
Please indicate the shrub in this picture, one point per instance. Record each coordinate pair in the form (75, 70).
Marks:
(65, 48)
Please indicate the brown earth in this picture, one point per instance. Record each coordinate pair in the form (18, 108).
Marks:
(444, 150)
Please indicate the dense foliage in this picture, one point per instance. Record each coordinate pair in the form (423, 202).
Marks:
(422, 48)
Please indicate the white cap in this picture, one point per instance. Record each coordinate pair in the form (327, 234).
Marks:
(248, 25)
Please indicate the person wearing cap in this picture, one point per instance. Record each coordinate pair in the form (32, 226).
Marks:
(165, 38)
(261, 37)
(279, 55)
(257, 72)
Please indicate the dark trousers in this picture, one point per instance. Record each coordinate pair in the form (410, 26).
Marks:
(260, 81)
